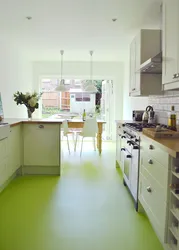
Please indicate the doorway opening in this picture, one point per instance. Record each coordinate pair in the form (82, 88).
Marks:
(75, 100)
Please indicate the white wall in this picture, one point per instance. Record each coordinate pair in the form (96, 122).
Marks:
(16, 75)
(102, 70)
(131, 103)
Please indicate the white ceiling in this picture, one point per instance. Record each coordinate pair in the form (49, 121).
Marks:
(76, 26)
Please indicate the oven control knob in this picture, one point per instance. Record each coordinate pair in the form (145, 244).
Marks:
(124, 132)
(136, 140)
(123, 125)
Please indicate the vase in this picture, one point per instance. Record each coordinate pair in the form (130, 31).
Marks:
(29, 113)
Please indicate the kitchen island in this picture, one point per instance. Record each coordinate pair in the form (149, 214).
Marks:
(34, 147)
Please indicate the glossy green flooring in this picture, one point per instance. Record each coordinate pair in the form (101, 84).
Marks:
(87, 208)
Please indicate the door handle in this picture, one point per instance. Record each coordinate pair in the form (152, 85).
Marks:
(149, 190)
(41, 126)
(150, 161)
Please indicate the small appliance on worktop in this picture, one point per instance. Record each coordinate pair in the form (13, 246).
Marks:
(137, 115)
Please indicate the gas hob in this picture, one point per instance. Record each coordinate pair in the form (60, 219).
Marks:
(139, 126)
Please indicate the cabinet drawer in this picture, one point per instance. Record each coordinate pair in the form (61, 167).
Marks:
(154, 168)
(3, 149)
(150, 148)
(155, 200)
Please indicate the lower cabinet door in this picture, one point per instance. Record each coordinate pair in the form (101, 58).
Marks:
(41, 144)
(153, 206)
(3, 172)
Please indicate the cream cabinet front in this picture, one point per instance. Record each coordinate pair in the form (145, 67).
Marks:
(14, 149)
(170, 74)
(41, 144)
(153, 185)
(3, 161)
(119, 146)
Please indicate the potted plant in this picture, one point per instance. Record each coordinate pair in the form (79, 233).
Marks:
(29, 100)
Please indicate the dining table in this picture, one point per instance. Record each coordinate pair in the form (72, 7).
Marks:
(79, 123)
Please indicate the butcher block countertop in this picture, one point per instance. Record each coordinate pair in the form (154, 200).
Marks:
(14, 121)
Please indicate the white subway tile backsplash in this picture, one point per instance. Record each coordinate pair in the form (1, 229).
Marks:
(162, 105)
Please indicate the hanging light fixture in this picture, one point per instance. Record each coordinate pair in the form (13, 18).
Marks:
(91, 88)
(61, 86)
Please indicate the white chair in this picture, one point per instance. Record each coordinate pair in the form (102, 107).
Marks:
(90, 129)
(66, 132)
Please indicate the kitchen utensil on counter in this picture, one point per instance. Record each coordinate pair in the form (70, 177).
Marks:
(151, 116)
(145, 116)
(137, 115)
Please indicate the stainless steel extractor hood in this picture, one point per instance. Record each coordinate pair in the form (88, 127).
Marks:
(152, 65)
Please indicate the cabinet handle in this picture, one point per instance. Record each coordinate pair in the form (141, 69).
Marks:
(41, 126)
(151, 147)
(174, 76)
(177, 75)
(150, 161)
(149, 190)
(133, 89)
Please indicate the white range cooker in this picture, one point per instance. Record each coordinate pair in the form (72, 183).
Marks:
(130, 156)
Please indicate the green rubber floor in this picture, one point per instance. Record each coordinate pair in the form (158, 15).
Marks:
(87, 208)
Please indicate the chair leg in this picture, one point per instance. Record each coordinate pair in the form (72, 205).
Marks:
(73, 136)
(76, 142)
(94, 143)
(68, 144)
(81, 146)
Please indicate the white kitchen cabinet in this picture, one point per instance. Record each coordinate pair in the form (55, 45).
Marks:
(170, 74)
(119, 146)
(144, 46)
(153, 185)
(41, 144)
(14, 149)
(3, 161)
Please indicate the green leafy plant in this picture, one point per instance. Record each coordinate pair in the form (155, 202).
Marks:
(28, 99)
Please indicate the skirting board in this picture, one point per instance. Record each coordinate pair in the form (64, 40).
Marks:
(41, 170)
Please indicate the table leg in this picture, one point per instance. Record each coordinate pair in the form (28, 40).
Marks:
(99, 142)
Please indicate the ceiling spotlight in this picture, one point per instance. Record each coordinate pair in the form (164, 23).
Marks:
(28, 17)
(114, 19)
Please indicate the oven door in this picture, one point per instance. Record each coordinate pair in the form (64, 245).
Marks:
(126, 161)
(134, 178)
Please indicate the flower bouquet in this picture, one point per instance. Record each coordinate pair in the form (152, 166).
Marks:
(29, 100)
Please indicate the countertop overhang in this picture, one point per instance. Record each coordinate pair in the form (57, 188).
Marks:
(15, 121)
